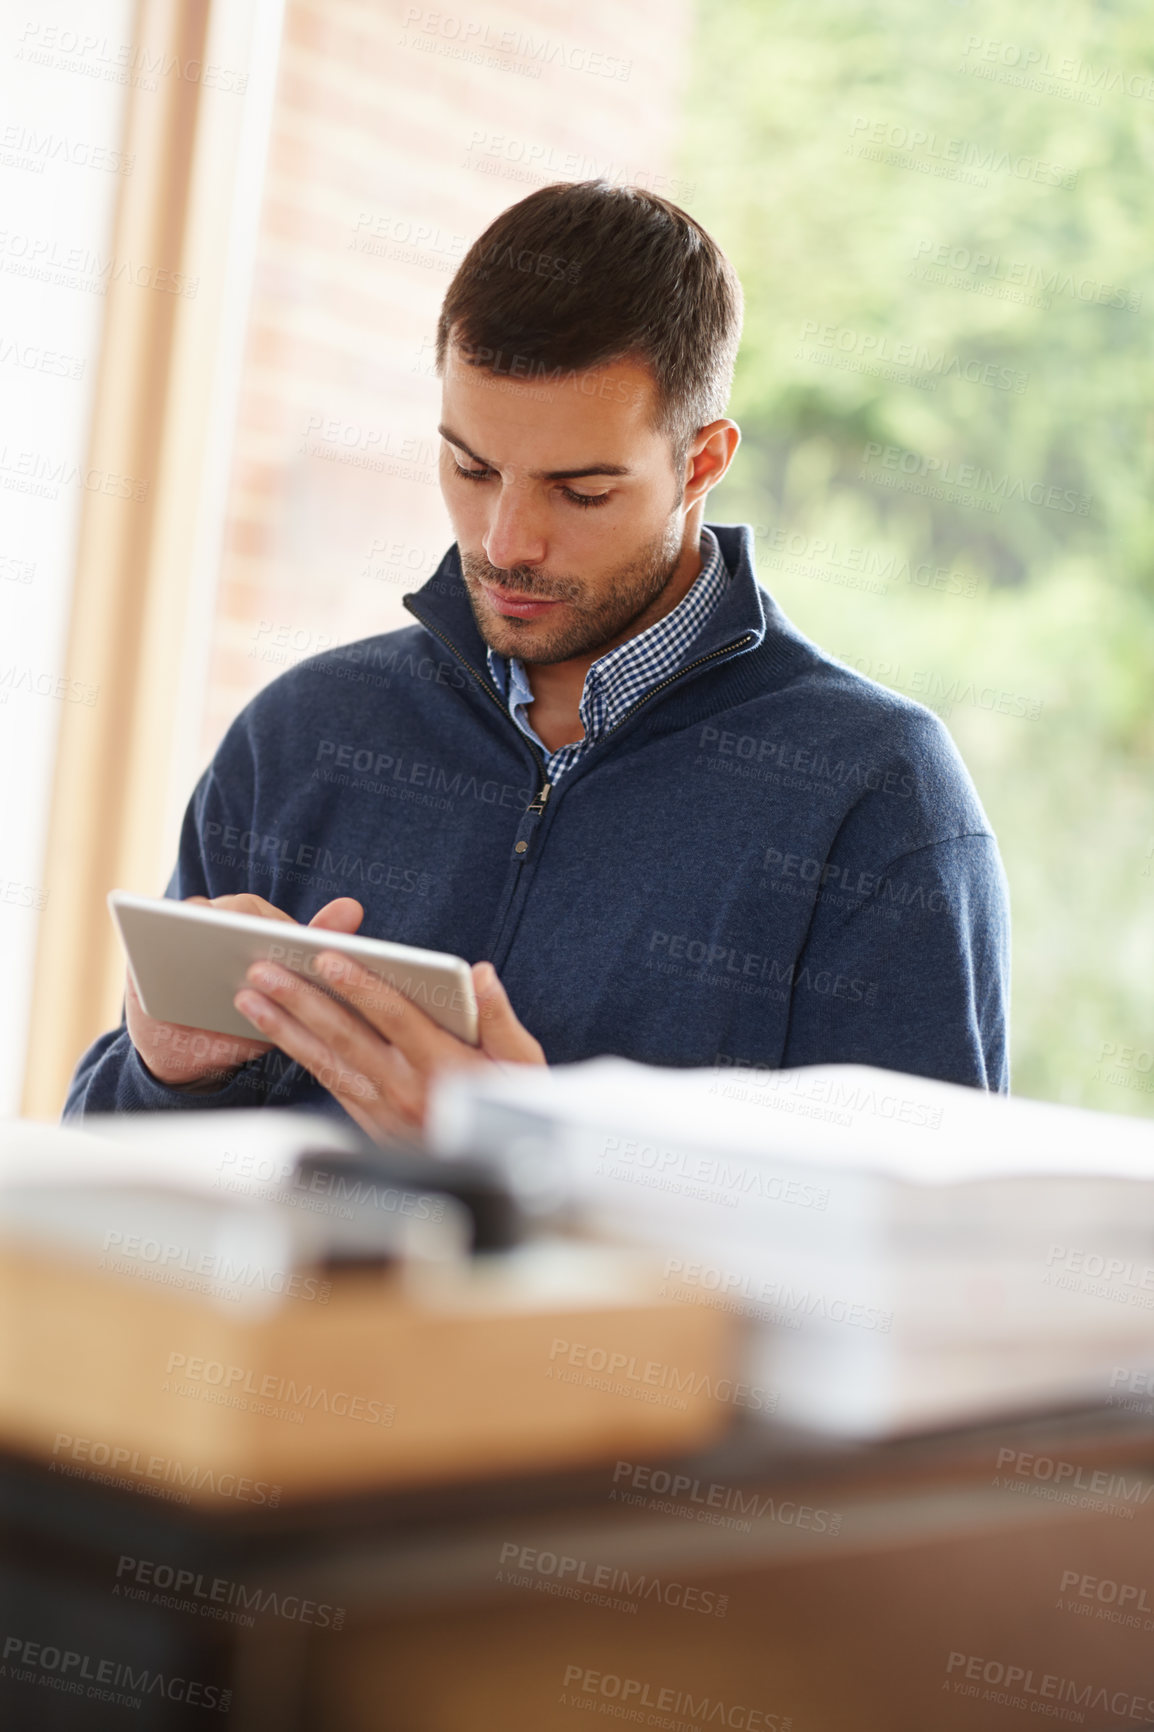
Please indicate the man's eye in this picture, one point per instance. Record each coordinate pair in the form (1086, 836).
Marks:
(585, 498)
(472, 474)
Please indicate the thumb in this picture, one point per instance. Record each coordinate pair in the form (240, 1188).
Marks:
(342, 915)
(502, 1036)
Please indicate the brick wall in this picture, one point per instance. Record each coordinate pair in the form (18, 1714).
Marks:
(399, 132)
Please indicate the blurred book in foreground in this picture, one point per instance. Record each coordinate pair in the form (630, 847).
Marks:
(194, 1303)
(910, 1254)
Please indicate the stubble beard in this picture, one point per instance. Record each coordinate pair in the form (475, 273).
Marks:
(591, 623)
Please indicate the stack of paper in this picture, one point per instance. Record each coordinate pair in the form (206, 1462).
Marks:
(206, 1202)
(910, 1253)
(177, 1286)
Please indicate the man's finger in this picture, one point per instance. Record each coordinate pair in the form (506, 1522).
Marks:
(344, 914)
(296, 1037)
(339, 1030)
(387, 1100)
(402, 1023)
(243, 902)
(502, 1036)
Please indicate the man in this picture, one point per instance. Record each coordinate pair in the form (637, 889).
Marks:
(601, 759)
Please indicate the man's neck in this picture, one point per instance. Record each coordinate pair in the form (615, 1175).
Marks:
(557, 686)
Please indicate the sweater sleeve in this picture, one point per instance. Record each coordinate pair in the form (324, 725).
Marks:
(912, 975)
(111, 1077)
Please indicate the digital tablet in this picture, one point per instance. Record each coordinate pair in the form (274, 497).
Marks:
(187, 963)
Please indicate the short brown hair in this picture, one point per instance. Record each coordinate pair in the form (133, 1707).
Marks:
(581, 274)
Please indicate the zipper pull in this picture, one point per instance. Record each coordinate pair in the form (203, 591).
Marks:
(537, 806)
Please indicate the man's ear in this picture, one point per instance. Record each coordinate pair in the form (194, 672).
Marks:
(711, 451)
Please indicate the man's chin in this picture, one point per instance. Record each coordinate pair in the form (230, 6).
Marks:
(527, 641)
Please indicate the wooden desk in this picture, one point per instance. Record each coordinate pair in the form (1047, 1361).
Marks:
(948, 1557)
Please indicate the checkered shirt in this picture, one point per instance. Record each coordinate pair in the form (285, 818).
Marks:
(615, 683)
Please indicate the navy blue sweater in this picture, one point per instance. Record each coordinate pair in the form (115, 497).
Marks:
(770, 860)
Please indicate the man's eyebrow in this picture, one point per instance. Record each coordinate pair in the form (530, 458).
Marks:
(540, 474)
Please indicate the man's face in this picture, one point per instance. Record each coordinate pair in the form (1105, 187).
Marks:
(564, 504)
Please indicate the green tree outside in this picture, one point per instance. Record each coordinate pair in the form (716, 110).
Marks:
(942, 219)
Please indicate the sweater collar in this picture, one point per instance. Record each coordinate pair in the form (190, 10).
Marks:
(745, 613)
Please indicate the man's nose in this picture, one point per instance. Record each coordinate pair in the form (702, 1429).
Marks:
(515, 535)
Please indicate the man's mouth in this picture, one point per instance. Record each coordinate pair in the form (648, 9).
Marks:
(515, 604)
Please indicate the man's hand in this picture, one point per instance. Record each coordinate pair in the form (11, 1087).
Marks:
(197, 1058)
(371, 1048)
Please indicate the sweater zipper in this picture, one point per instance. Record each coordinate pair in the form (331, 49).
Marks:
(536, 806)
(671, 679)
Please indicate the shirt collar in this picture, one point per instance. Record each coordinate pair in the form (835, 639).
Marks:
(618, 678)
(746, 619)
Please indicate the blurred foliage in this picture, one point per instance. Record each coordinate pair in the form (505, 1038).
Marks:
(940, 215)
